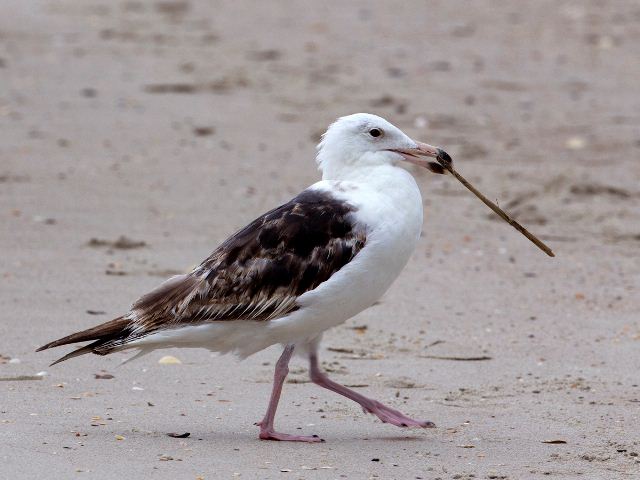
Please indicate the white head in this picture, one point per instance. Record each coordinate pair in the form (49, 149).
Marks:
(363, 140)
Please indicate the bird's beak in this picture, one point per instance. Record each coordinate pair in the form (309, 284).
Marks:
(414, 155)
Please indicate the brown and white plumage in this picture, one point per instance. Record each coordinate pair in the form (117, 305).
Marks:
(297, 270)
(257, 274)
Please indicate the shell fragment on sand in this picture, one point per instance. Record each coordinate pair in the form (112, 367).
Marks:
(169, 360)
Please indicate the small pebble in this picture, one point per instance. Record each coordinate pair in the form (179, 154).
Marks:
(169, 360)
(575, 143)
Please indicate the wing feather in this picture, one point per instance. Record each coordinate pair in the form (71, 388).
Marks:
(259, 272)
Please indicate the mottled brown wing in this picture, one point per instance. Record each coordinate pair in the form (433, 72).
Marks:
(260, 271)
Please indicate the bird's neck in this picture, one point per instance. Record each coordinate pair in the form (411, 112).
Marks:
(351, 168)
(358, 173)
(373, 172)
(389, 180)
(365, 169)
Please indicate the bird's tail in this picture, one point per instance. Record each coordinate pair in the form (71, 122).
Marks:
(102, 335)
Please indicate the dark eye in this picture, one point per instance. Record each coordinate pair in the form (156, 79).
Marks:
(375, 132)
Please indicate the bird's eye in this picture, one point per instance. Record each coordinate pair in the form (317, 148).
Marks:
(375, 132)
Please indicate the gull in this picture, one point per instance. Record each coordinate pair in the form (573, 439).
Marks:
(296, 271)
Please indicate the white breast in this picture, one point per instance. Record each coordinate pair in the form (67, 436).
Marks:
(389, 205)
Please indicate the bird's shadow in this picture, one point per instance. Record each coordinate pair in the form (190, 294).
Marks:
(233, 437)
(328, 438)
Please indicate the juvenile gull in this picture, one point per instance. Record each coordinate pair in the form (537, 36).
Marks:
(297, 270)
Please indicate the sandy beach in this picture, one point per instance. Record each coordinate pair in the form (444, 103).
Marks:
(136, 136)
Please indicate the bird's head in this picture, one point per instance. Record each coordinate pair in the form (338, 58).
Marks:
(363, 139)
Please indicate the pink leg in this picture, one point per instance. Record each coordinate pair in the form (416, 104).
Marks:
(384, 413)
(267, 431)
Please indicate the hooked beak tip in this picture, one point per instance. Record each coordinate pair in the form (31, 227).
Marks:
(412, 155)
(443, 157)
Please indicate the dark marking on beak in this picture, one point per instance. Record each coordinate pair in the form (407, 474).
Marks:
(443, 157)
(436, 168)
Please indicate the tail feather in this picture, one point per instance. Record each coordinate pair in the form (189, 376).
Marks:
(141, 352)
(101, 334)
(75, 353)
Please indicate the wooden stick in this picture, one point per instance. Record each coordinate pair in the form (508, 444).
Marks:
(457, 359)
(501, 213)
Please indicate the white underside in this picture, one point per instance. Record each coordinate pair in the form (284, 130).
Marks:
(389, 204)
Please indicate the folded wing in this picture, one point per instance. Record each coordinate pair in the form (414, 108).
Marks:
(256, 274)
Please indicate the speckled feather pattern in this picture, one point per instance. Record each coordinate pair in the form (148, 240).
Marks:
(256, 274)
(297, 270)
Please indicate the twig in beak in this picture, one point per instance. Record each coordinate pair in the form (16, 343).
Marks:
(447, 165)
